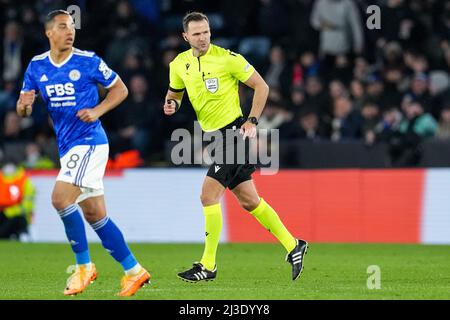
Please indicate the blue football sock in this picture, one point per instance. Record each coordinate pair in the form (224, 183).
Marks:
(76, 234)
(114, 242)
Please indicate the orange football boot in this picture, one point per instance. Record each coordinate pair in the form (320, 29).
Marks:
(81, 278)
(131, 284)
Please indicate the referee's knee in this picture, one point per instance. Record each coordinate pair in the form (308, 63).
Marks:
(209, 200)
(249, 204)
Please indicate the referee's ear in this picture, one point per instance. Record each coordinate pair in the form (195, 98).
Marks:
(184, 37)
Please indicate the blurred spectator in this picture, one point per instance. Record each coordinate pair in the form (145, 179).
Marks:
(340, 29)
(270, 11)
(161, 72)
(238, 17)
(370, 113)
(130, 32)
(439, 88)
(343, 69)
(117, 47)
(13, 129)
(414, 128)
(7, 98)
(304, 37)
(447, 60)
(35, 159)
(418, 121)
(307, 126)
(274, 115)
(337, 89)
(316, 96)
(34, 41)
(443, 23)
(132, 64)
(401, 24)
(394, 84)
(443, 131)
(297, 102)
(277, 74)
(16, 202)
(419, 91)
(392, 54)
(358, 94)
(346, 122)
(16, 50)
(386, 130)
(126, 17)
(375, 90)
(362, 70)
(309, 63)
(415, 63)
(136, 120)
(11, 62)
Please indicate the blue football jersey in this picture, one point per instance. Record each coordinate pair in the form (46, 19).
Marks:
(68, 87)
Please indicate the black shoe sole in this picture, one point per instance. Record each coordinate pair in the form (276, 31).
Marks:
(194, 281)
(303, 264)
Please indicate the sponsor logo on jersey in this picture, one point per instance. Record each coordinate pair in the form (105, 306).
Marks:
(105, 70)
(43, 78)
(60, 90)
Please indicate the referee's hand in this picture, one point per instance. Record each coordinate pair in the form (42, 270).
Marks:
(169, 107)
(248, 130)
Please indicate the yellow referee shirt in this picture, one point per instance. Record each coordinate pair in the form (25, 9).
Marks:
(212, 83)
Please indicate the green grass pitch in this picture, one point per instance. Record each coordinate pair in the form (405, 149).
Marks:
(245, 271)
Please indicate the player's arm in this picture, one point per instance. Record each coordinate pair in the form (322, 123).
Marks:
(115, 95)
(261, 92)
(24, 105)
(172, 102)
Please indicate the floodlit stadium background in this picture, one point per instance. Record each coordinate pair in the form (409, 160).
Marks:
(355, 183)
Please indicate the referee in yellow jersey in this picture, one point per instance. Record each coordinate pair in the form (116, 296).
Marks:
(211, 76)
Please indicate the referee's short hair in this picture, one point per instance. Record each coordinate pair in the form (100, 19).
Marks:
(193, 16)
(51, 16)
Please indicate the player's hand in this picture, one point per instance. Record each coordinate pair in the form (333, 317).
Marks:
(88, 115)
(170, 108)
(25, 104)
(248, 129)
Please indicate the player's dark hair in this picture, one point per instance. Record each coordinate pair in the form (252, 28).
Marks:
(193, 16)
(51, 16)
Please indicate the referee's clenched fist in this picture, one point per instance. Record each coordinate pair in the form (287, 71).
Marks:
(170, 107)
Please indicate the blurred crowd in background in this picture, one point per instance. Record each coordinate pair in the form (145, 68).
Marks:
(331, 78)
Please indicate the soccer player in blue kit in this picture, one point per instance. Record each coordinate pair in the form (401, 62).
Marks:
(67, 79)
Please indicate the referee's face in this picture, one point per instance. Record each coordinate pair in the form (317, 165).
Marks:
(62, 33)
(198, 35)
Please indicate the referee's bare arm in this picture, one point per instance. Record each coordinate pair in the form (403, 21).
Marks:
(172, 102)
(257, 83)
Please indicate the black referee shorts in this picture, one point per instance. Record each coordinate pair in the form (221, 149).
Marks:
(232, 173)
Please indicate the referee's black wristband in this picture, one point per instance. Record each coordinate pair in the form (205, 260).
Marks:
(177, 105)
